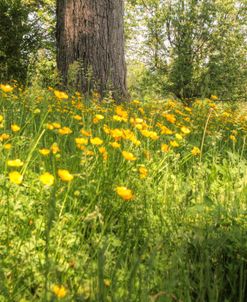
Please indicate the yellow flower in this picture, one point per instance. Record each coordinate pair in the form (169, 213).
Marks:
(60, 94)
(54, 148)
(128, 156)
(174, 144)
(1, 118)
(143, 172)
(117, 134)
(15, 177)
(139, 126)
(81, 141)
(214, 97)
(164, 129)
(15, 163)
(118, 118)
(169, 117)
(178, 136)
(88, 152)
(56, 125)
(86, 133)
(4, 137)
(233, 138)
(44, 151)
(49, 126)
(164, 148)
(47, 179)
(7, 146)
(6, 88)
(122, 113)
(185, 130)
(135, 141)
(96, 141)
(187, 119)
(81, 147)
(115, 145)
(15, 128)
(65, 130)
(97, 118)
(141, 110)
(77, 117)
(139, 120)
(59, 290)
(124, 193)
(106, 129)
(103, 151)
(195, 151)
(152, 134)
(65, 175)
(36, 111)
(188, 109)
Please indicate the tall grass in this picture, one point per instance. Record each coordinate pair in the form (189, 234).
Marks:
(178, 234)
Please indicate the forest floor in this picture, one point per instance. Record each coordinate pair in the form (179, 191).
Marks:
(145, 201)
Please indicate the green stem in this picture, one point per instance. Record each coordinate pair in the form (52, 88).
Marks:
(204, 133)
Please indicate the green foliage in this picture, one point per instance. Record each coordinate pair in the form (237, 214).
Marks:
(42, 71)
(199, 46)
(144, 83)
(25, 27)
(15, 39)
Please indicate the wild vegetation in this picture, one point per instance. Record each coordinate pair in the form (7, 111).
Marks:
(144, 201)
(123, 185)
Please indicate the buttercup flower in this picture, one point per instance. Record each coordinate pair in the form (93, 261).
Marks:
(233, 138)
(15, 163)
(15, 177)
(65, 130)
(164, 148)
(124, 193)
(81, 141)
(44, 151)
(15, 128)
(7, 146)
(56, 125)
(59, 290)
(97, 118)
(174, 144)
(115, 145)
(185, 130)
(47, 179)
(54, 148)
(143, 172)
(6, 88)
(128, 156)
(195, 151)
(65, 175)
(4, 137)
(60, 94)
(96, 141)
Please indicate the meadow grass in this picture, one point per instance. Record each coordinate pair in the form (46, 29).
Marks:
(145, 201)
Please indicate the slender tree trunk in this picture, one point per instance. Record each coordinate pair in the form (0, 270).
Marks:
(90, 45)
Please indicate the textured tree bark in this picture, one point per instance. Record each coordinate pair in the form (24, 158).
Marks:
(90, 38)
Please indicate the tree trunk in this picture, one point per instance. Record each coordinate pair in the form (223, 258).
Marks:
(90, 45)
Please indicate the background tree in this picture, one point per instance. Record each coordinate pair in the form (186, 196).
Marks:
(15, 39)
(192, 47)
(90, 44)
(25, 27)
